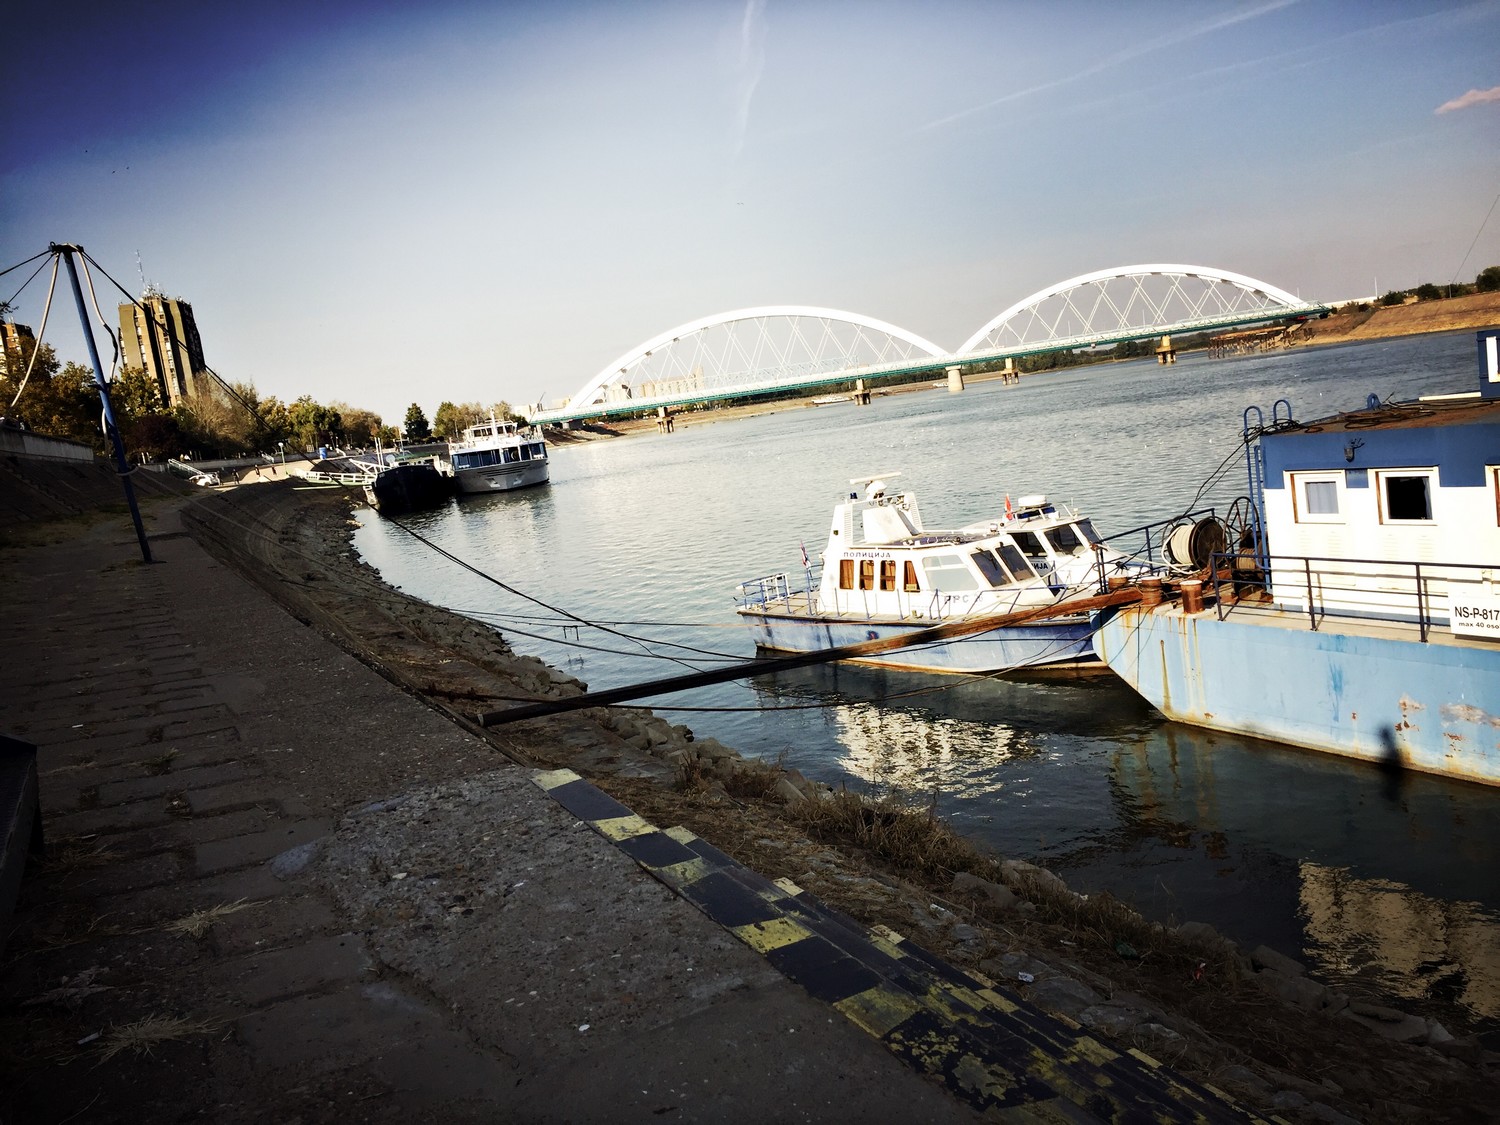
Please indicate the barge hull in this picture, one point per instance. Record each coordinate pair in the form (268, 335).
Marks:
(1397, 703)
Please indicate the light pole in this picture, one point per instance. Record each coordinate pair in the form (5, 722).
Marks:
(282, 446)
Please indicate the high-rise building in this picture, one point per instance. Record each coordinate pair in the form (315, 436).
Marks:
(11, 335)
(159, 334)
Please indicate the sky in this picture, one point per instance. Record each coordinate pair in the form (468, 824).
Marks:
(382, 203)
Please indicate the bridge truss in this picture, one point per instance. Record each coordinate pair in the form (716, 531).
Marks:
(1128, 302)
(735, 354)
(740, 354)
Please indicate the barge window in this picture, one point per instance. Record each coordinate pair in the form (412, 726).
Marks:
(990, 567)
(1015, 562)
(846, 574)
(909, 577)
(1315, 497)
(888, 574)
(867, 574)
(949, 575)
(1406, 497)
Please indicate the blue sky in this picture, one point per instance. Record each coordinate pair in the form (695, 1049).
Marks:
(381, 203)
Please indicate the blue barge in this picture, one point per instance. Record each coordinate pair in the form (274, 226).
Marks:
(1373, 632)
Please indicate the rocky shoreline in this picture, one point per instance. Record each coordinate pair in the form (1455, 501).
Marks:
(1253, 1022)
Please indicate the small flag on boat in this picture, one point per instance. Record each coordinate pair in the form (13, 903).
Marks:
(806, 564)
(1009, 513)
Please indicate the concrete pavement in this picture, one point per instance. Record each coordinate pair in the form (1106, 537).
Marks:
(279, 888)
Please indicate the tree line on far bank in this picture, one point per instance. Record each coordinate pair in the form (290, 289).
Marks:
(1488, 281)
(226, 420)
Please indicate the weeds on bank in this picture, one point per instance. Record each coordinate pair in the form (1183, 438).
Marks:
(142, 1035)
(161, 764)
(199, 922)
(750, 780)
(910, 838)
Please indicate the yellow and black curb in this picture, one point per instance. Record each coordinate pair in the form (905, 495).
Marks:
(1003, 1056)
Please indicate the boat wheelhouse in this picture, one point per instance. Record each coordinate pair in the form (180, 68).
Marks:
(496, 456)
(884, 573)
(1363, 618)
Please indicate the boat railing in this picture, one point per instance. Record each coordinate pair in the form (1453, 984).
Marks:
(1422, 593)
(769, 588)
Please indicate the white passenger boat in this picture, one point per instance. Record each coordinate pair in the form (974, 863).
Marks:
(885, 574)
(495, 456)
(1363, 615)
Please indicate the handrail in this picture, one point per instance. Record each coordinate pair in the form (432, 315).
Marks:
(1386, 590)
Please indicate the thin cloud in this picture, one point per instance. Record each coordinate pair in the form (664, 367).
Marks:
(752, 64)
(1120, 57)
(1472, 98)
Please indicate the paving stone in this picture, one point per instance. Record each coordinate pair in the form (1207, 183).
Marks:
(273, 922)
(172, 782)
(258, 847)
(311, 966)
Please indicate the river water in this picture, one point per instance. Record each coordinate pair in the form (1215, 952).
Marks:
(646, 538)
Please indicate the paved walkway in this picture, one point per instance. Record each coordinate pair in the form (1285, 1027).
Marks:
(278, 888)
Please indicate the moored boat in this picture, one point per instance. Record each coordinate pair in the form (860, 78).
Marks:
(885, 574)
(496, 456)
(408, 487)
(1373, 630)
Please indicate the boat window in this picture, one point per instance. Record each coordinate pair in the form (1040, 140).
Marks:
(525, 452)
(867, 574)
(1406, 496)
(1086, 529)
(510, 455)
(888, 574)
(1029, 544)
(1015, 562)
(846, 574)
(538, 450)
(1064, 539)
(909, 578)
(948, 574)
(990, 567)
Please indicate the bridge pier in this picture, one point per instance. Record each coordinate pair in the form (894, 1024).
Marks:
(861, 396)
(664, 423)
(1166, 353)
(1009, 375)
(955, 380)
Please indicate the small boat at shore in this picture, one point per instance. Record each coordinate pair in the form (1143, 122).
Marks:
(885, 574)
(1374, 630)
(408, 487)
(496, 456)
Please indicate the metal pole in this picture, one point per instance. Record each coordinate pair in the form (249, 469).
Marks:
(67, 250)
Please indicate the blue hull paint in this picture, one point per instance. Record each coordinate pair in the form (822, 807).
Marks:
(1433, 707)
(1012, 647)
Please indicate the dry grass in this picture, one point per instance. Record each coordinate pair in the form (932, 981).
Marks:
(73, 855)
(141, 1036)
(912, 839)
(161, 764)
(198, 923)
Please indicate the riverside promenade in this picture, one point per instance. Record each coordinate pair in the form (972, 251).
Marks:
(279, 888)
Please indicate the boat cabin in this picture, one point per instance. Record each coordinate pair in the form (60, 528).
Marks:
(1392, 510)
(882, 561)
(493, 442)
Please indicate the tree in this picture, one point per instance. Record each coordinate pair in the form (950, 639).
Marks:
(1427, 291)
(310, 422)
(1488, 280)
(1394, 297)
(450, 421)
(360, 426)
(416, 424)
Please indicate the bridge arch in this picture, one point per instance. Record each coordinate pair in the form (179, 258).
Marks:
(773, 345)
(1133, 300)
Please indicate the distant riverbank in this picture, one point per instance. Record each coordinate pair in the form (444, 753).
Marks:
(1455, 314)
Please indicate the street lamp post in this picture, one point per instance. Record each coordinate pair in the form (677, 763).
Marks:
(282, 446)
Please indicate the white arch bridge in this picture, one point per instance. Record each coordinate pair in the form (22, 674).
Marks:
(781, 348)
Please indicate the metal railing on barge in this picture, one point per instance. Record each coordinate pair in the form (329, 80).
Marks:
(1378, 591)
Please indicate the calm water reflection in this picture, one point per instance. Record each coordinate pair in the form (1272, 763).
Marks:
(1304, 852)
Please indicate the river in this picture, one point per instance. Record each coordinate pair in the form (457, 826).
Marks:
(646, 537)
